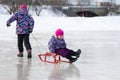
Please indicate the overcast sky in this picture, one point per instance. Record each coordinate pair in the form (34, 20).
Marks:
(117, 1)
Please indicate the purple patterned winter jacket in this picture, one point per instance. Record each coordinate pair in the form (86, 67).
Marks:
(55, 43)
(25, 22)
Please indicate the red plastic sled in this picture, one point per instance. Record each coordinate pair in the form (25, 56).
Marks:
(56, 58)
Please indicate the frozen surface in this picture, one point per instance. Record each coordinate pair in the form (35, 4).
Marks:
(99, 59)
(98, 38)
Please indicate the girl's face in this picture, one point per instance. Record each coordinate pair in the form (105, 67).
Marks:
(60, 36)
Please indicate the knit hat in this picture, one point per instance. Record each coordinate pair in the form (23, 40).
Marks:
(22, 6)
(59, 32)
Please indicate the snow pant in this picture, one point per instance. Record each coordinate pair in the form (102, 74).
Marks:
(23, 38)
(64, 52)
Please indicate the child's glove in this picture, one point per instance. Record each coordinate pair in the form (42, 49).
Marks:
(30, 30)
(8, 24)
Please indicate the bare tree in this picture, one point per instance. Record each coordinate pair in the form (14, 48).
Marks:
(37, 6)
(12, 5)
(53, 2)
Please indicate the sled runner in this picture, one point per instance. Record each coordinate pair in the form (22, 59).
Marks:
(55, 58)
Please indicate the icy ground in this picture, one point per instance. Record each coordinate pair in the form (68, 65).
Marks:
(99, 59)
(98, 38)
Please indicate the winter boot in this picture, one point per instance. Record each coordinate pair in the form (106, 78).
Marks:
(78, 52)
(20, 54)
(29, 54)
(73, 60)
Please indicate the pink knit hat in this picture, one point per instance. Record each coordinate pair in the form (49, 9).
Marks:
(59, 32)
(22, 6)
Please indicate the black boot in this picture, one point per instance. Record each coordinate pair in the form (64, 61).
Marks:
(78, 52)
(20, 54)
(29, 54)
(73, 60)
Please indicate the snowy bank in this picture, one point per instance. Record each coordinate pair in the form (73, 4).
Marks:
(75, 24)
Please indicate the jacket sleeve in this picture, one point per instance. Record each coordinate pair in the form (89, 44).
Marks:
(31, 23)
(13, 18)
(51, 45)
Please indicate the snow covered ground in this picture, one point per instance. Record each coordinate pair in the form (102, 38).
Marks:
(97, 37)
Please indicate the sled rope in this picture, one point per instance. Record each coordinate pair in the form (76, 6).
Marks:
(37, 42)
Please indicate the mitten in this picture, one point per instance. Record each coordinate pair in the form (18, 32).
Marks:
(8, 24)
(30, 30)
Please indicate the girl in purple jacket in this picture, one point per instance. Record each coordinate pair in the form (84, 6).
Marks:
(57, 45)
(24, 27)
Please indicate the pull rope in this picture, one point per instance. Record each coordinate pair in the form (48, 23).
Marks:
(37, 42)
